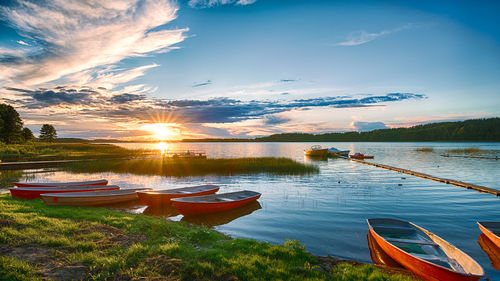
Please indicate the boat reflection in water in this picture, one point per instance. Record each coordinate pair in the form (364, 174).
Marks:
(221, 218)
(491, 250)
(378, 255)
(162, 210)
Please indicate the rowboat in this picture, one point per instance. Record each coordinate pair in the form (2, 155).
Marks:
(52, 184)
(378, 255)
(491, 250)
(492, 230)
(214, 202)
(423, 252)
(34, 192)
(316, 151)
(361, 156)
(91, 198)
(159, 197)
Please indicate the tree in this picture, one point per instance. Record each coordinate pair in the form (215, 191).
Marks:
(10, 125)
(27, 135)
(48, 133)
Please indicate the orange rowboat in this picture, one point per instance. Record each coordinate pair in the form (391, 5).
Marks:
(491, 250)
(423, 252)
(91, 198)
(160, 197)
(34, 192)
(214, 202)
(53, 184)
(492, 230)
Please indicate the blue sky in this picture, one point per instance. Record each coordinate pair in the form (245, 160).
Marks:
(245, 68)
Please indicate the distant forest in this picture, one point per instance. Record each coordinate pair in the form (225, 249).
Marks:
(480, 130)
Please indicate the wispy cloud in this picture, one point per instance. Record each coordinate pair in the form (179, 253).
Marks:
(81, 35)
(361, 37)
(201, 4)
(23, 43)
(368, 126)
(195, 85)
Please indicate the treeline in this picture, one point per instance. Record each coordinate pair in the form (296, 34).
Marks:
(480, 130)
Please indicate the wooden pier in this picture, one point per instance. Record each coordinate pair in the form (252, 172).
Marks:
(430, 177)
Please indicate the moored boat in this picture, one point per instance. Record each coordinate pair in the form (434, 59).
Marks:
(316, 151)
(491, 250)
(336, 152)
(53, 184)
(492, 230)
(159, 197)
(91, 198)
(34, 192)
(361, 156)
(423, 252)
(214, 202)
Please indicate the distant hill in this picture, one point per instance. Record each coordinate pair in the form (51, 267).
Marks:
(480, 130)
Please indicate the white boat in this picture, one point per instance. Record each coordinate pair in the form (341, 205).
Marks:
(335, 151)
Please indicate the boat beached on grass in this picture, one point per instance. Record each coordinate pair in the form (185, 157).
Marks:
(423, 252)
(34, 192)
(92, 198)
(53, 184)
(158, 197)
(214, 202)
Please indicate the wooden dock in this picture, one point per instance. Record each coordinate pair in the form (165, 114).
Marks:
(430, 177)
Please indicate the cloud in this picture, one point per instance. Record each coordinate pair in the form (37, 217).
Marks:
(288, 80)
(81, 35)
(275, 120)
(22, 43)
(361, 37)
(201, 4)
(202, 84)
(368, 126)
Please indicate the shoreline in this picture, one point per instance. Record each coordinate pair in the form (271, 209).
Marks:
(105, 243)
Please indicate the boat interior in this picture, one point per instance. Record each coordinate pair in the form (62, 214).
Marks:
(185, 190)
(225, 197)
(415, 242)
(97, 193)
(494, 227)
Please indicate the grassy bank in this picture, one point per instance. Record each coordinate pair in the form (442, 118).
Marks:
(62, 243)
(181, 167)
(49, 151)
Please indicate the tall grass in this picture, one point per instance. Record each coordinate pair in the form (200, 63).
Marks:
(471, 150)
(425, 149)
(114, 245)
(183, 167)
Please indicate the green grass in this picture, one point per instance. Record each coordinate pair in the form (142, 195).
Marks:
(49, 151)
(182, 167)
(117, 245)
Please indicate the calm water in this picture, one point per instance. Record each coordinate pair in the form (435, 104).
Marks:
(327, 211)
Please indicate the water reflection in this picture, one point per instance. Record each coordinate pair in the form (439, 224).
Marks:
(220, 218)
(378, 255)
(161, 210)
(491, 250)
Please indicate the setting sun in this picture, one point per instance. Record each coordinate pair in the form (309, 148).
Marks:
(162, 131)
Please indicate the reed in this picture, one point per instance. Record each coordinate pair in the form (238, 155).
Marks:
(424, 149)
(184, 167)
(76, 243)
(471, 150)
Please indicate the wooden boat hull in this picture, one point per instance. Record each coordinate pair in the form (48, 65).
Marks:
(90, 198)
(378, 255)
(491, 250)
(198, 205)
(53, 184)
(425, 269)
(487, 229)
(162, 197)
(316, 152)
(35, 192)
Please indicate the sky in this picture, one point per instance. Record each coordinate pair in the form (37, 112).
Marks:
(161, 69)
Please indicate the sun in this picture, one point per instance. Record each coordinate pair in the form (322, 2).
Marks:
(162, 131)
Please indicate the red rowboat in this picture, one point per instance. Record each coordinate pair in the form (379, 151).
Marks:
(491, 250)
(492, 230)
(91, 198)
(214, 202)
(162, 196)
(423, 252)
(34, 192)
(361, 156)
(378, 255)
(52, 184)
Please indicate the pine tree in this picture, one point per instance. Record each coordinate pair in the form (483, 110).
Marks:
(47, 133)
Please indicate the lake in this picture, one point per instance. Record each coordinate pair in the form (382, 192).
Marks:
(327, 211)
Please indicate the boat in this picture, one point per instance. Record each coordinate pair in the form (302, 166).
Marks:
(91, 198)
(34, 192)
(214, 202)
(361, 156)
(492, 230)
(423, 252)
(491, 250)
(52, 184)
(316, 151)
(159, 197)
(336, 152)
(378, 255)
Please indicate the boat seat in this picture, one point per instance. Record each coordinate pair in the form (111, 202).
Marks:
(393, 230)
(411, 241)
